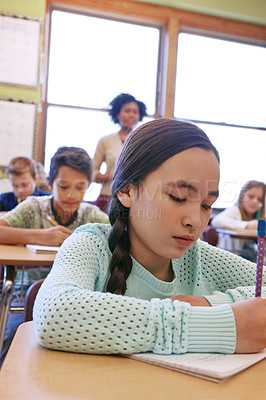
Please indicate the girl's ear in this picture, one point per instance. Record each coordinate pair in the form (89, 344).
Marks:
(126, 196)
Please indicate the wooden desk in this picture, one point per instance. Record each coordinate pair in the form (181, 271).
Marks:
(239, 234)
(30, 370)
(12, 256)
(236, 239)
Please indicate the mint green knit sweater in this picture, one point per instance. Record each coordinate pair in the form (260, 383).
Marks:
(73, 311)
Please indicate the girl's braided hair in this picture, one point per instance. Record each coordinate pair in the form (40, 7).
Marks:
(144, 151)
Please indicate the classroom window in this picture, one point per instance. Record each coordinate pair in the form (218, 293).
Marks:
(221, 86)
(89, 65)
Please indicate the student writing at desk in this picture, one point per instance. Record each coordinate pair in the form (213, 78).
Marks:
(147, 283)
(49, 220)
(30, 222)
(243, 215)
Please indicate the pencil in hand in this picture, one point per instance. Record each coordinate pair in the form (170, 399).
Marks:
(50, 219)
(260, 255)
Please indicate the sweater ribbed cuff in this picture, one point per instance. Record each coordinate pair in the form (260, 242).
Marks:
(212, 330)
(219, 298)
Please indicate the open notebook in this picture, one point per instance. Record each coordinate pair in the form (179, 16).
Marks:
(36, 248)
(212, 366)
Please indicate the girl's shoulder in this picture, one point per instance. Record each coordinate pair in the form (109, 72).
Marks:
(95, 229)
(234, 210)
(91, 240)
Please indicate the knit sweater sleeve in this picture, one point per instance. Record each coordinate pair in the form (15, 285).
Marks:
(230, 218)
(73, 313)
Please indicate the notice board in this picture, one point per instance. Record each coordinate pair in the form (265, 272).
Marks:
(19, 51)
(17, 130)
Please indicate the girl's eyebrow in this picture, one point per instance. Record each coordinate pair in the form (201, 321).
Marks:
(184, 184)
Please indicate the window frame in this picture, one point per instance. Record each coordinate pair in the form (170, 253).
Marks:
(171, 21)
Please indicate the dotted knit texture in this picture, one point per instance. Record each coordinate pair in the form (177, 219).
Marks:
(73, 312)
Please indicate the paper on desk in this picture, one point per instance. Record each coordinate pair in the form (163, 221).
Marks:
(36, 248)
(212, 366)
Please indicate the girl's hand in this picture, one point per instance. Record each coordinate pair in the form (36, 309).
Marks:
(54, 236)
(193, 300)
(250, 317)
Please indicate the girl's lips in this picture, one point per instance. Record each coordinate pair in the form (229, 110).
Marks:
(185, 241)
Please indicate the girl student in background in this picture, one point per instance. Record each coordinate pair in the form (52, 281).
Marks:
(147, 283)
(243, 215)
(127, 112)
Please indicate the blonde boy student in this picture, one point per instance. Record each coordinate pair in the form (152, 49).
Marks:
(23, 178)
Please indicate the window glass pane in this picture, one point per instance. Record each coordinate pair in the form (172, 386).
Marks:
(96, 59)
(79, 128)
(220, 81)
(242, 153)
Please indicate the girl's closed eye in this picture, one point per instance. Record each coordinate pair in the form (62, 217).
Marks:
(206, 207)
(177, 199)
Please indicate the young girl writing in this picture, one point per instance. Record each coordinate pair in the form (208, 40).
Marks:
(147, 283)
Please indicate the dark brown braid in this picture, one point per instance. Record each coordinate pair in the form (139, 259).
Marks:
(119, 244)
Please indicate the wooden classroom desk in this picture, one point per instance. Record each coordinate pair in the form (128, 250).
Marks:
(236, 235)
(31, 371)
(12, 256)
(239, 234)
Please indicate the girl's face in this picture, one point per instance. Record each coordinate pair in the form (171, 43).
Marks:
(172, 207)
(129, 115)
(69, 188)
(252, 200)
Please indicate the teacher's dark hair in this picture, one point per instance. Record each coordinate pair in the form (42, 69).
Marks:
(144, 151)
(119, 101)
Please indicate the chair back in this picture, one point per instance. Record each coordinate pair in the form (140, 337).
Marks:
(30, 298)
(210, 235)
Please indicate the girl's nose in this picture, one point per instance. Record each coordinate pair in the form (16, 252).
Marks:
(192, 219)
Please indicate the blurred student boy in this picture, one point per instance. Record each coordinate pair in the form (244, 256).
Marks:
(23, 178)
(49, 220)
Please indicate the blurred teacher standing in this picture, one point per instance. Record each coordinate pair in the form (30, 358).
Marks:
(127, 112)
